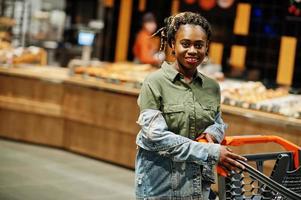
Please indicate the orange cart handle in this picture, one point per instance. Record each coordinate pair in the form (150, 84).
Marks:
(255, 139)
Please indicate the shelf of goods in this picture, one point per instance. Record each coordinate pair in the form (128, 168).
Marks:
(123, 74)
(93, 110)
(254, 95)
(15, 56)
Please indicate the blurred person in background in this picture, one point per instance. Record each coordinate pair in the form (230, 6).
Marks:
(145, 47)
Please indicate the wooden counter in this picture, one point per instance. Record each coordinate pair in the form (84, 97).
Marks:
(91, 117)
(100, 120)
(30, 104)
(251, 122)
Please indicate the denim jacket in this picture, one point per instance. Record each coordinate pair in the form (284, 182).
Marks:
(171, 166)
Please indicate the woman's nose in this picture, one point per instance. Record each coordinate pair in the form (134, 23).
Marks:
(192, 50)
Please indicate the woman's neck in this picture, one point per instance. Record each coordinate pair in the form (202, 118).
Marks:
(188, 74)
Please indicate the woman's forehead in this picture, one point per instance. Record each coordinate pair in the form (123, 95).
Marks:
(191, 31)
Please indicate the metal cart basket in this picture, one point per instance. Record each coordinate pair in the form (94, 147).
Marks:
(251, 184)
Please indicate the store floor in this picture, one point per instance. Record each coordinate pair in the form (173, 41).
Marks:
(30, 172)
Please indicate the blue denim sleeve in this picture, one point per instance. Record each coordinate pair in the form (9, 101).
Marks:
(217, 130)
(154, 136)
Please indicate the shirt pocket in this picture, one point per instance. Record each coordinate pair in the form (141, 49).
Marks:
(174, 116)
(205, 115)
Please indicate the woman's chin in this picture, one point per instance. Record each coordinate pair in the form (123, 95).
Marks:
(191, 66)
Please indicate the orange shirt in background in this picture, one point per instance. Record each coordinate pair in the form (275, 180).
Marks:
(145, 47)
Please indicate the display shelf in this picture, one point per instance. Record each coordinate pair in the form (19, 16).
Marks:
(123, 73)
(54, 74)
(16, 56)
(269, 118)
(92, 82)
(255, 96)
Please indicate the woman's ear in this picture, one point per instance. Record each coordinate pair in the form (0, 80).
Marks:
(207, 48)
(173, 44)
(173, 52)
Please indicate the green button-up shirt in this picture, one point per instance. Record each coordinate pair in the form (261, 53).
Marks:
(188, 108)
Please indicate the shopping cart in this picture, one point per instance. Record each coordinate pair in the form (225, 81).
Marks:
(251, 183)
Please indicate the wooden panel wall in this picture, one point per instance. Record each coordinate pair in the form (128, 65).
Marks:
(286, 61)
(124, 24)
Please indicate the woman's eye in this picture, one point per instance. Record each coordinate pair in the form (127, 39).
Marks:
(185, 44)
(198, 46)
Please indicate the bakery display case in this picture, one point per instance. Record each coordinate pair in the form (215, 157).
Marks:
(92, 109)
(255, 96)
(249, 95)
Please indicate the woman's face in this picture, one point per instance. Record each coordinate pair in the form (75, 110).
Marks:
(190, 46)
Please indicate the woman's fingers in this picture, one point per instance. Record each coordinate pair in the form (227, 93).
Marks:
(229, 149)
(208, 138)
(227, 167)
(235, 164)
(229, 159)
(237, 157)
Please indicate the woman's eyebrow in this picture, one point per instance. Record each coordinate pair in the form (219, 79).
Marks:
(199, 41)
(192, 40)
(185, 40)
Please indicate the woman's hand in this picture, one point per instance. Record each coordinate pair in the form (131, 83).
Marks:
(228, 159)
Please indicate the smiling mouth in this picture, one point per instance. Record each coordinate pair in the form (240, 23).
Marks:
(191, 60)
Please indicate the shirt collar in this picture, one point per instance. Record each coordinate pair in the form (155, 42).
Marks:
(172, 73)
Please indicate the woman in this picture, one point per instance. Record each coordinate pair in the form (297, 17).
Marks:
(177, 105)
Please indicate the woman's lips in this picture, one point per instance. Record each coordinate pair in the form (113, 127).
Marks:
(191, 60)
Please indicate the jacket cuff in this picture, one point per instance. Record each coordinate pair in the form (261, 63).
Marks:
(214, 153)
(215, 132)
